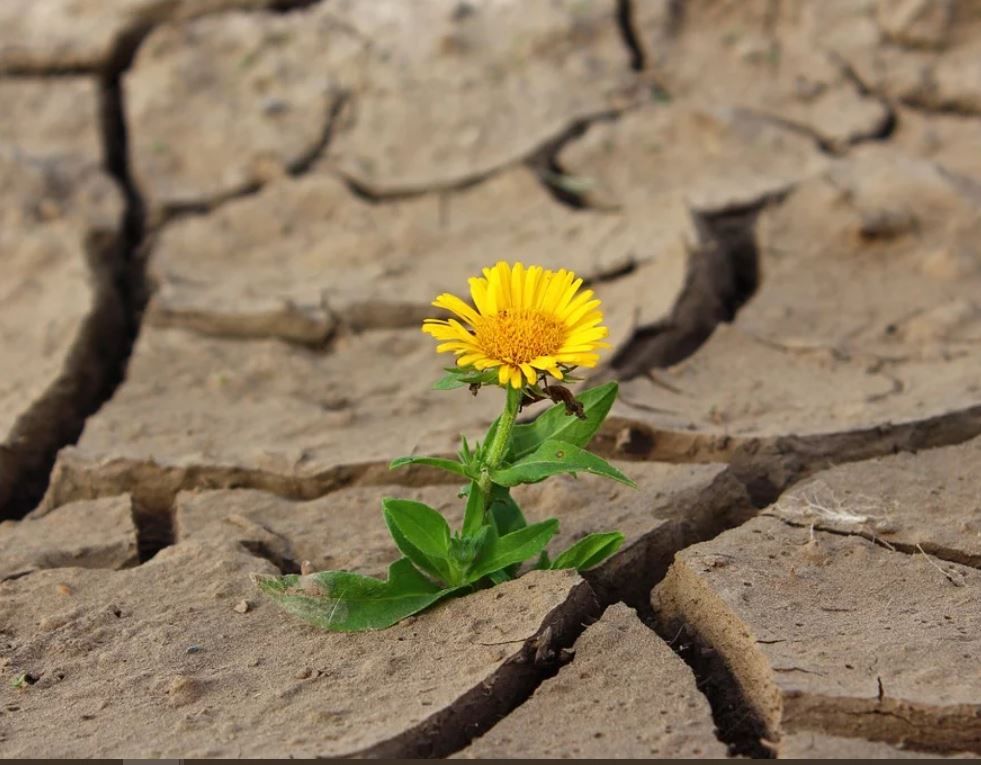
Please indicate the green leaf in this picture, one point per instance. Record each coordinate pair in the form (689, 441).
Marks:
(423, 536)
(342, 601)
(507, 517)
(458, 377)
(500, 552)
(556, 424)
(589, 551)
(448, 381)
(505, 511)
(473, 516)
(554, 457)
(500, 577)
(450, 465)
(465, 548)
(465, 454)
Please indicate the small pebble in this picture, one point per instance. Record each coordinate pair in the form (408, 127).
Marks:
(193, 649)
(242, 606)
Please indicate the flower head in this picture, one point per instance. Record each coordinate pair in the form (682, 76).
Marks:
(526, 321)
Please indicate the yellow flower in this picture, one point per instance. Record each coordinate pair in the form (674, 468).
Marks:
(527, 321)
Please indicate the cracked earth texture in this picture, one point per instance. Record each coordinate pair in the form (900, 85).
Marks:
(221, 222)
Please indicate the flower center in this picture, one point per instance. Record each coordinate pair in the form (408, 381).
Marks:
(520, 336)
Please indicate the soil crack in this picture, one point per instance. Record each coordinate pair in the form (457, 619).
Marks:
(737, 724)
(704, 515)
(628, 31)
(480, 709)
(98, 362)
(723, 276)
(337, 103)
(926, 549)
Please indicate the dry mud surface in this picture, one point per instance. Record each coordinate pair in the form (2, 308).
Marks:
(221, 222)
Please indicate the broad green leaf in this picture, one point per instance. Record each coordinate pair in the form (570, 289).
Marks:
(505, 511)
(342, 601)
(507, 517)
(554, 457)
(422, 535)
(556, 424)
(450, 465)
(589, 551)
(500, 552)
(473, 516)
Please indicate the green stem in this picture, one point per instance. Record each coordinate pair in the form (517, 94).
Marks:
(502, 438)
(497, 449)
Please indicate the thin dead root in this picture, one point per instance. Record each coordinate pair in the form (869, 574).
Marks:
(817, 505)
(933, 563)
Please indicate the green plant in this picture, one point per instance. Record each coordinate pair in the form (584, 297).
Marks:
(529, 332)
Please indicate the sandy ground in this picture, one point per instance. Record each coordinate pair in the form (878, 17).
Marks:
(221, 222)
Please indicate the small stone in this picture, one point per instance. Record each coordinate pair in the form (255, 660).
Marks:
(193, 649)
(242, 606)
(183, 690)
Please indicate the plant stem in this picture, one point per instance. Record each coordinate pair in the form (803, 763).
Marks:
(502, 438)
(498, 447)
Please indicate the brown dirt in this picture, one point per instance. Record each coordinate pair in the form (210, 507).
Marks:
(604, 701)
(255, 267)
(160, 655)
(817, 746)
(61, 315)
(835, 634)
(278, 78)
(779, 204)
(99, 533)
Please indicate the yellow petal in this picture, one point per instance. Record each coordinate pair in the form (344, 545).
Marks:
(530, 373)
(516, 378)
(441, 331)
(556, 286)
(587, 335)
(454, 346)
(504, 374)
(460, 331)
(482, 298)
(505, 298)
(575, 301)
(578, 359)
(567, 298)
(532, 281)
(470, 359)
(591, 319)
(453, 304)
(575, 315)
(576, 350)
(517, 281)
